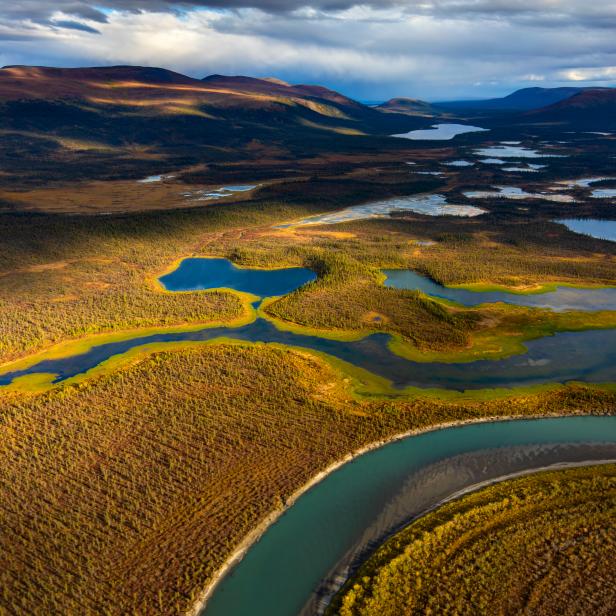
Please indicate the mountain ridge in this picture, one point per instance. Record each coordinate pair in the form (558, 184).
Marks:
(523, 99)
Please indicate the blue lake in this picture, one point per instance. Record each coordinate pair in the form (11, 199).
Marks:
(584, 356)
(441, 132)
(513, 151)
(198, 273)
(562, 299)
(600, 229)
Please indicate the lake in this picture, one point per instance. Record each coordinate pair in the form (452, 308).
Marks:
(514, 192)
(308, 552)
(429, 205)
(220, 193)
(562, 299)
(441, 132)
(603, 193)
(513, 151)
(196, 274)
(600, 229)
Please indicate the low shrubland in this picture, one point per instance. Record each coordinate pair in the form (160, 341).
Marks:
(544, 544)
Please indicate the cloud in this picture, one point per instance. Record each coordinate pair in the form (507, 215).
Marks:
(599, 73)
(74, 25)
(374, 49)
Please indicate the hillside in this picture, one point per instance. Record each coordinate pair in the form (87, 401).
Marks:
(155, 91)
(410, 106)
(274, 87)
(588, 109)
(520, 100)
(114, 121)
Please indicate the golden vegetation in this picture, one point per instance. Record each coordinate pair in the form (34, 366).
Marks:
(101, 270)
(349, 296)
(544, 545)
(125, 493)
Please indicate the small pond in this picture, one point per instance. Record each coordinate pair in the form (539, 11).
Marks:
(219, 193)
(513, 151)
(441, 132)
(583, 182)
(562, 299)
(155, 178)
(603, 193)
(196, 274)
(459, 163)
(492, 161)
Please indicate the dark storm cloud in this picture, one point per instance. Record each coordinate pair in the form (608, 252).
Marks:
(444, 8)
(433, 48)
(539, 13)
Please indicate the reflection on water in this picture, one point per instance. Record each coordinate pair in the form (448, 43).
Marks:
(430, 205)
(562, 299)
(529, 168)
(295, 566)
(155, 178)
(220, 193)
(597, 193)
(513, 192)
(198, 273)
(588, 356)
(492, 161)
(601, 229)
(583, 182)
(512, 151)
(459, 163)
(604, 193)
(441, 132)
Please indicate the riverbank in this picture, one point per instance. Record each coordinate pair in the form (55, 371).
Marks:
(536, 541)
(253, 537)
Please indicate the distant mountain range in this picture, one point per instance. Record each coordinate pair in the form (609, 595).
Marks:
(560, 104)
(520, 100)
(120, 121)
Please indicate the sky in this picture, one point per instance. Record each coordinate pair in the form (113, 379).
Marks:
(373, 50)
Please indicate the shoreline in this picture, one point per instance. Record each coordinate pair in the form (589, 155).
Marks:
(354, 567)
(255, 535)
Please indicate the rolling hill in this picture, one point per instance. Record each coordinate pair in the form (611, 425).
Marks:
(410, 106)
(110, 121)
(140, 91)
(588, 109)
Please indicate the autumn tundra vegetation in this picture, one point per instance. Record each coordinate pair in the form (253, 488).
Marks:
(541, 544)
(124, 492)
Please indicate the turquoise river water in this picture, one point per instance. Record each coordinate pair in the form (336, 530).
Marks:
(307, 553)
